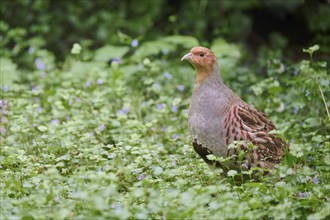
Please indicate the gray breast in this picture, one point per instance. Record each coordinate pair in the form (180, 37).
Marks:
(206, 125)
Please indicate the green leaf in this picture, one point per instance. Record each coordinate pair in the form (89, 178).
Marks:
(232, 173)
(158, 170)
(312, 49)
(42, 128)
(322, 214)
(76, 48)
(185, 41)
(8, 72)
(211, 157)
(105, 53)
(224, 49)
(296, 150)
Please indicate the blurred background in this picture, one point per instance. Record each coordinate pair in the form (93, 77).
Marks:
(55, 25)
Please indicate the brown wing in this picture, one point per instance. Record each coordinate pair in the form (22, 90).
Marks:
(246, 123)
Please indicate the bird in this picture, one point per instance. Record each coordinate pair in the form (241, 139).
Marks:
(218, 117)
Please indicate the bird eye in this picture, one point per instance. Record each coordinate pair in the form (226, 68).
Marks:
(201, 55)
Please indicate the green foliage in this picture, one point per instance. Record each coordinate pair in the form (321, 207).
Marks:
(102, 134)
(105, 136)
(31, 25)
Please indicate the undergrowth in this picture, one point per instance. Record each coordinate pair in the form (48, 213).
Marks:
(104, 135)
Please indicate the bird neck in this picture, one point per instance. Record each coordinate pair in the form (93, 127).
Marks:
(208, 75)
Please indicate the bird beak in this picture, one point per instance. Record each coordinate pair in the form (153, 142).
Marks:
(186, 57)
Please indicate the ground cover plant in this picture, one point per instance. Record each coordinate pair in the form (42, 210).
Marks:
(93, 110)
(104, 135)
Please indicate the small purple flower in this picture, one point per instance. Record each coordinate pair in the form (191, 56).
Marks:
(78, 99)
(55, 121)
(31, 50)
(141, 177)
(34, 89)
(5, 88)
(315, 180)
(40, 65)
(175, 137)
(295, 72)
(173, 160)
(115, 60)
(295, 110)
(37, 186)
(67, 117)
(180, 87)
(123, 111)
(307, 93)
(164, 51)
(56, 199)
(161, 106)
(135, 43)
(163, 128)
(99, 170)
(309, 159)
(168, 75)
(245, 166)
(116, 207)
(102, 127)
(174, 109)
(302, 194)
(100, 81)
(88, 83)
(39, 109)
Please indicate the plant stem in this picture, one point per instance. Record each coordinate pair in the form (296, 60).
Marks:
(325, 103)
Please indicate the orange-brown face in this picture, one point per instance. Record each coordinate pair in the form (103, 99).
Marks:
(201, 58)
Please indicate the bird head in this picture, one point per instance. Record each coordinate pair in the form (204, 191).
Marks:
(201, 58)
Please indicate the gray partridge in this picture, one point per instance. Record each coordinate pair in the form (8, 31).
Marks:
(217, 117)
